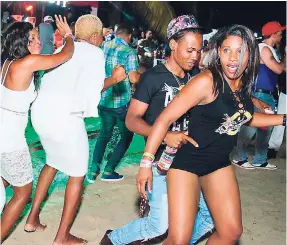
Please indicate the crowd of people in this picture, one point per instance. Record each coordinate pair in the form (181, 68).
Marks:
(189, 107)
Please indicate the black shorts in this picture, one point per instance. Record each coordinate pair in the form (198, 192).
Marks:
(200, 161)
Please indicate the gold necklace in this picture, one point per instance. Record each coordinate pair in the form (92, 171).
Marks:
(180, 85)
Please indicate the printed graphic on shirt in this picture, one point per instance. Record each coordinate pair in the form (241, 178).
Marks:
(231, 125)
(170, 93)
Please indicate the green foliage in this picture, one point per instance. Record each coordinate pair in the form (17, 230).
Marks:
(157, 15)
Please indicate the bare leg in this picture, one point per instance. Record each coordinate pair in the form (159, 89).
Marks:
(183, 198)
(221, 192)
(45, 179)
(73, 196)
(14, 208)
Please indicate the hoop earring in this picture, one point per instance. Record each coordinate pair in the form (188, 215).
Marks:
(218, 61)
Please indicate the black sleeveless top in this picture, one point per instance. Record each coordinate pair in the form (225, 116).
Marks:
(217, 123)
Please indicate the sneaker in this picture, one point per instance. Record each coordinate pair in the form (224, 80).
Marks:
(91, 177)
(266, 166)
(271, 154)
(106, 240)
(243, 164)
(112, 177)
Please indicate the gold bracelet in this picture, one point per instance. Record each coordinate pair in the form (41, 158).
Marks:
(151, 156)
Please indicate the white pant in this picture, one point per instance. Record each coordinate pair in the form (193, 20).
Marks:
(278, 131)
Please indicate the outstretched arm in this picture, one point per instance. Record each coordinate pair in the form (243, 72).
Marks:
(197, 91)
(36, 62)
(266, 120)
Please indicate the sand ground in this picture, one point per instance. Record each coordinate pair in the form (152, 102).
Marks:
(106, 206)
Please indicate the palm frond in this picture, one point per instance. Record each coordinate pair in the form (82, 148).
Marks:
(156, 14)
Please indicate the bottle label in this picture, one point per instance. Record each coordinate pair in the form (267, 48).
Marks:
(165, 160)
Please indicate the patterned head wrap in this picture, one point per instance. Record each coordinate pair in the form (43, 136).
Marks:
(180, 23)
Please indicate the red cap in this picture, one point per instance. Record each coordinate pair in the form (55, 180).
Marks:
(271, 28)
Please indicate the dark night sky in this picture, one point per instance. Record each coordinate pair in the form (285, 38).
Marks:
(253, 14)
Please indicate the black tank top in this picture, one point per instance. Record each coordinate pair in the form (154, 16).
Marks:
(216, 124)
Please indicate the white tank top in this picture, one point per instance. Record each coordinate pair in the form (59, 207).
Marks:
(262, 45)
(17, 102)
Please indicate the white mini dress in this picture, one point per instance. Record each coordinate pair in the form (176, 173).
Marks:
(16, 165)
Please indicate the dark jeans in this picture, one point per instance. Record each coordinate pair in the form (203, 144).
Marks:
(111, 117)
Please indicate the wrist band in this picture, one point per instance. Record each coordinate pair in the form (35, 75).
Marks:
(284, 120)
(145, 163)
(68, 34)
(151, 156)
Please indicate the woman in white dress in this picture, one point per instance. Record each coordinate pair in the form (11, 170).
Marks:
(20, 50)
(67, 95)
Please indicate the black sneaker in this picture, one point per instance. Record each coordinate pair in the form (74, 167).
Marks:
(243, 164)
(271, 154)
(114, 177)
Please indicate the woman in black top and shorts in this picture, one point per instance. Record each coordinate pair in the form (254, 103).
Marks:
(220, 104)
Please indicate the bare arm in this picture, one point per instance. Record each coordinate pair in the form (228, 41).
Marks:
(269, 60)
(186, 99)
(44, 62)
(109, 82)
(136, 124)
(134, 121)
(265, 120)
(37, 62)
(118, 75)
(260, 105)
(134, 76)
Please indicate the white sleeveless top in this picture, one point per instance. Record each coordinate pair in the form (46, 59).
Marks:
(14, 115)
(17, 102)
(262, 45)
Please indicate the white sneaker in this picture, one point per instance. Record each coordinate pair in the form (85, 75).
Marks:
(243, 164)
(266, 166)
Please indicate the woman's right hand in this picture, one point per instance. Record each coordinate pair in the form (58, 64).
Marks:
(144, 177)
(62, 26)
(176, 139)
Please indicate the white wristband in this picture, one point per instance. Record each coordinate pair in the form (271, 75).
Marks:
(145, 163)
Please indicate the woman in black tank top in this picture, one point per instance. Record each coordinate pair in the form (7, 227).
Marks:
(220, 103)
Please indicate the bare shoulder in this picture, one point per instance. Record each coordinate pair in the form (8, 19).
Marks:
(266, 51)
(203, 80)
(22, 64)
(29, 60)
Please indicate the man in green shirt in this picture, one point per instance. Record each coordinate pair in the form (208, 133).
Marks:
(114, 104)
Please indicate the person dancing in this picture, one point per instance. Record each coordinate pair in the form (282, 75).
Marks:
(220, 104)
(75, 88)
(20, 49)
(157, 88)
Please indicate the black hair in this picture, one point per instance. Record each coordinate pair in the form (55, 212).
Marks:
(248, 43)
(125, 29)
(179, 35)
(14, 43)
